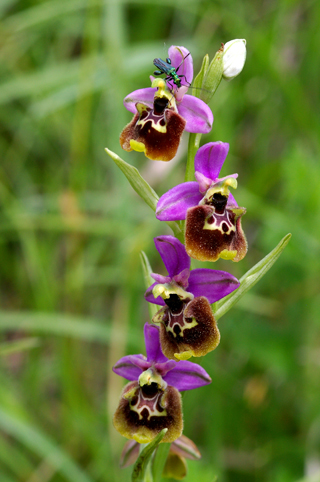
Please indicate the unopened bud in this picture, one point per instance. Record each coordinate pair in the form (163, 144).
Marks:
(234, 57)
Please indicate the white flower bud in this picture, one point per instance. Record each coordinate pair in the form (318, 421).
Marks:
(234, 57)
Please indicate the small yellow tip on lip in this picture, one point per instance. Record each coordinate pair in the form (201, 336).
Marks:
(231, 181)
(159, 83)
(225, 254)
(137, 146)
(142, 439)
(183, 356)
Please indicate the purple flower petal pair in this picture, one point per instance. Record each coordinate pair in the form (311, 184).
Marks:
(151, 401)
(188, 327)
(183, 375)
(173, 205)
(213, 284)
(213, 217)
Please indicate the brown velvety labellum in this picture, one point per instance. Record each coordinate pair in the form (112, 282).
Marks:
(209, 233)
(199, 335)
(160, 134)
(144, 411)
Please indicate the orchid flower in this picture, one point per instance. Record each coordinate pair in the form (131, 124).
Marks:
(188, 327)
(151, 401)
(213, 217)
(157, 124)
(155, 130)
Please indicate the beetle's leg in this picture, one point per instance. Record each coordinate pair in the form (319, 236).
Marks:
(168, 79)
(181, 76)
(182, 62)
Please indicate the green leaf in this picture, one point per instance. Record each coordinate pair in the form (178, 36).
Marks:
(147, 270)
(213, 77)
(138, 183)
(141, 187)
(18, 345)
(148, 281)
(198, 81)
(250, 279)
(159, 461)
(140, 467)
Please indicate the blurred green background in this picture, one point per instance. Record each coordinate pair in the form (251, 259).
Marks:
(72, 229)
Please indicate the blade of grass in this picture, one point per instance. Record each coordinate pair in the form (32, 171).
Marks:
(43, 447)
(87, 329)
(20, 345)
(15, 459)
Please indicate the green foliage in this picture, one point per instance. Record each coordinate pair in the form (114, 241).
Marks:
(142, 188)
(72, 229)
(142, 465)
(250, 278)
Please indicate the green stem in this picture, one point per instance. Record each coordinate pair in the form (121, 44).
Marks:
(177, 231)
(193, 146)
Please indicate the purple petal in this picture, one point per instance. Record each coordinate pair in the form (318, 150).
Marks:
(221, 179)
(145, 96)
(164, 368)
(180, 58)
(140, 362)
(180, 93)
(173, 254)
(197, 114)
(128, 366)
(231, 201)
(184, 66)
(212, 284)
(173, 205)
(149, 296)
(130, 453)
(210, 157)
(182, 278)
(182, 446)
(152, 341)
(203, 181)
(160, 279)
(187, 375)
